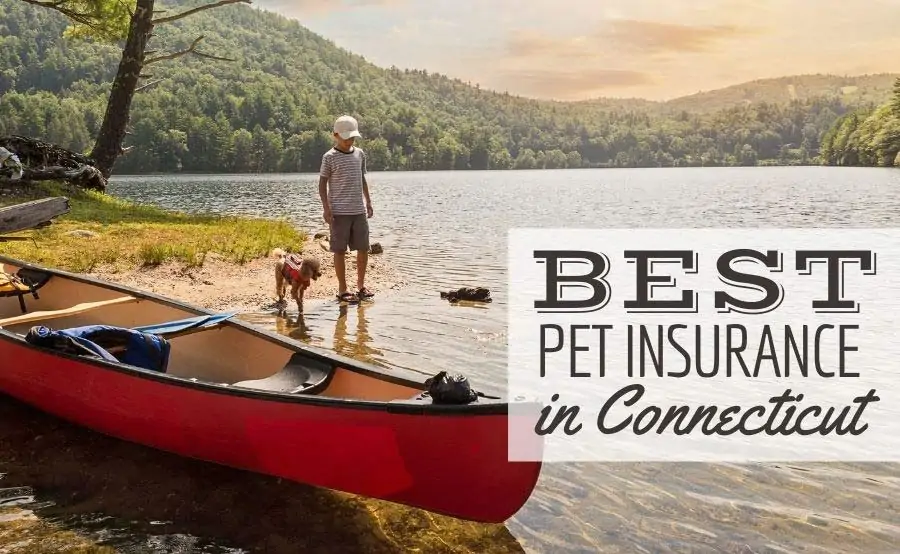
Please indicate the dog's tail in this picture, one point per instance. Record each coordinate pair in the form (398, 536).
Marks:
(278, 253)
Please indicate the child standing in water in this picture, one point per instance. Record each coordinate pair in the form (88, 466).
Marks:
(347, 206)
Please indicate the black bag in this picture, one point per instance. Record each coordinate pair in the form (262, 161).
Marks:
(450, 389)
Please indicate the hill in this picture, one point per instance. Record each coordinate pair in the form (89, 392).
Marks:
(271, 109)
(850, 90)
(858, 90)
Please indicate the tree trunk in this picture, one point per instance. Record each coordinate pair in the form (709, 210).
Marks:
(112, 132)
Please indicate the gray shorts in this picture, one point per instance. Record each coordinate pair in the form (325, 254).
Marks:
(349, 231)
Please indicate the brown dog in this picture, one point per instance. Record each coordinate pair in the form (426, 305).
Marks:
(290, 268)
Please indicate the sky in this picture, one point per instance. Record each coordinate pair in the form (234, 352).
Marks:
(574, 50)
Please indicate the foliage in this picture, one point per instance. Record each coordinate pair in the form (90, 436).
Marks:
(134, 234)
(869, 137)
(105, 20)
(272, 109)
(108, 19)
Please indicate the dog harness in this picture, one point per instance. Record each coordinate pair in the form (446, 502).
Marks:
(291, 270)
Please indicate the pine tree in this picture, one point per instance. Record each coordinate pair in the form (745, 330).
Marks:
(134, 21)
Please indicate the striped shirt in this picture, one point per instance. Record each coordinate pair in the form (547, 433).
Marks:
(344, 171)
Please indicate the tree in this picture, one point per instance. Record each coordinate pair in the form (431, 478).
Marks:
(111, 21)
(895, 101)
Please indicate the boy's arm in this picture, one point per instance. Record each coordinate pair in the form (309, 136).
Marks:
(365, 181)
(366, 192)
(323, 191)
(324, 174)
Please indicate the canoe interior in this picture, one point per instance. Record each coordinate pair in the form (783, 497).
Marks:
(226, 354)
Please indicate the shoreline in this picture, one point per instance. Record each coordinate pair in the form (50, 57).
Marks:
(215, 262)
(224, 285)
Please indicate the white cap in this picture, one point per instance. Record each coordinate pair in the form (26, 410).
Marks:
(346, 127)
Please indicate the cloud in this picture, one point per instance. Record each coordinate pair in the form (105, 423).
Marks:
(570, 84)
(529, 44)
(625, 36)
(651, 37)
(422, 29)
(614, 54)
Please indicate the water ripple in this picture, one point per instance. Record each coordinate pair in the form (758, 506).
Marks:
(445, 230)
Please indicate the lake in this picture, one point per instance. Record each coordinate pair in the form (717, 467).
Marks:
(444, 230)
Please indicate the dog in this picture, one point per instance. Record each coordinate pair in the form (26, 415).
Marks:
(296, 271)
(471, 294)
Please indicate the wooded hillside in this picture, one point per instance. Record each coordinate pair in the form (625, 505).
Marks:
(272, 109)
(868, 136)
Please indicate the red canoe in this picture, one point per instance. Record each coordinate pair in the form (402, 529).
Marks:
(236, 395)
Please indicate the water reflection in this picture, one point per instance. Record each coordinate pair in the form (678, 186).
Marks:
(294, 327)
(66, 485)
(356, 345)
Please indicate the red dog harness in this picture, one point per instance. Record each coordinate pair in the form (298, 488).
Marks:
(291, 270)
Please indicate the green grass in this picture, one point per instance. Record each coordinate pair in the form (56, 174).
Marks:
(131, 235)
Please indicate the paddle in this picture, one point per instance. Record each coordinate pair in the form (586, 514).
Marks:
(185, 326)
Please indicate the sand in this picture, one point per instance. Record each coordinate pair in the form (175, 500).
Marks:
(223, 285)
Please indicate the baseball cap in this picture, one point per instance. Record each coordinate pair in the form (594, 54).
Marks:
(346, 127)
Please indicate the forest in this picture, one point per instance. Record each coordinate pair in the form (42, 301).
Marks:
(866, 136)
(271, 109)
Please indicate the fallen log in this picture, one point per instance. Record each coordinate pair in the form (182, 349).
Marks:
(43, 161)
(30, 215)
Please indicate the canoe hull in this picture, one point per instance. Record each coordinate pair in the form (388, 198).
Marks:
(449, 463)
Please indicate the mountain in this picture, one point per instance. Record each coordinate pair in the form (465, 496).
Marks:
(861, 90)
(851, 90)
(271, 109)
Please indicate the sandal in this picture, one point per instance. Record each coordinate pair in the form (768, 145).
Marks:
(364, 293)
(346, 297)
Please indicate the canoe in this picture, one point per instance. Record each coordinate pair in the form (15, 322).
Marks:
(231, 393)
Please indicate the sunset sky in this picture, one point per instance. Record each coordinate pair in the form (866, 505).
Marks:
(654, 49)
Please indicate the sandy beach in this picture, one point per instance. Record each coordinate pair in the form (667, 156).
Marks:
(222, 285)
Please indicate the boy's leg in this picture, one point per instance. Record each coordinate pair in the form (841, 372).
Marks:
(341, 226)
(359, 241)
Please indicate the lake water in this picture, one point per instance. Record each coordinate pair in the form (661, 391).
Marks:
(446, 230)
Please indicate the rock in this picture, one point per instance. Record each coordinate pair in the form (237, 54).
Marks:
(83, 233)
(375, 248)
(322, 235)
(326, 246)
(471, 294)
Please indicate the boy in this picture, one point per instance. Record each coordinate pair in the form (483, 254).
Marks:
(347, 206)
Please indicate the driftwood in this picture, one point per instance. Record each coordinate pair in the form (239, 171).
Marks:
(30, 215)
(43, 161)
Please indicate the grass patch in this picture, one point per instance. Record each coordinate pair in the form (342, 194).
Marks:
(130, 235)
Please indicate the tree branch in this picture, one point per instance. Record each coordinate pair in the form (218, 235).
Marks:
(174, 55)
(192, 49)
(148, 85)
(182, 15)
(211, 57)
(85, 18)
